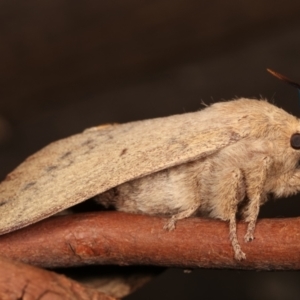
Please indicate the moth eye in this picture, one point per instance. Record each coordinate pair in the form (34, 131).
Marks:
(295, 141)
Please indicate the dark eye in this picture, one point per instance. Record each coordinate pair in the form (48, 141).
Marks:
(295, 141)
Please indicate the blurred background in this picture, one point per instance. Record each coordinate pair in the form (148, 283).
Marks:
(68, 65)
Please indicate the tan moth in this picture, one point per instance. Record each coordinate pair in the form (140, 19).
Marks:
(218, 162)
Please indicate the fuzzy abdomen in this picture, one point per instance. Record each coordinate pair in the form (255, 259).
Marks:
(167, 192)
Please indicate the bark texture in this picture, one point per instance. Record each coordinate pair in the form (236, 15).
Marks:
(125, 239)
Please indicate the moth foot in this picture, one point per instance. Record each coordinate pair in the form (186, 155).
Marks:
(170, 225)
(239, 254)
(248, 237)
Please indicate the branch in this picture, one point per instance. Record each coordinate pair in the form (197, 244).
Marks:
(126, 239)
(21, 281)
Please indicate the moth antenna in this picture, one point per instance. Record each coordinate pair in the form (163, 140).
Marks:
(284, 78)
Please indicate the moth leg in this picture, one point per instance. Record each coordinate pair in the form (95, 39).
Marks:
(255, 181)
(170, 225)
(238, 253)
(234, 186)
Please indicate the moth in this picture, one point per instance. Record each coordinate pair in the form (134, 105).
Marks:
(219, 162)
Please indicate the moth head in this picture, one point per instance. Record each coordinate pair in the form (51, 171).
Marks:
(287, 166)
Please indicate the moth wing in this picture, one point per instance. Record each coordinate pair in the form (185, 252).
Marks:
(77, 168)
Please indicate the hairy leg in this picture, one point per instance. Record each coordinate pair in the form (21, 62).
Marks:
(255, 182)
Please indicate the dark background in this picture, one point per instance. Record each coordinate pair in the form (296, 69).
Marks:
(68, 65)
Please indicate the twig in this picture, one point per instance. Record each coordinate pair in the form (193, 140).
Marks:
(125, 239)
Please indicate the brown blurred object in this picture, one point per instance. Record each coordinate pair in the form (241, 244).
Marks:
(116, 281)
(125, 239)
(21, 281)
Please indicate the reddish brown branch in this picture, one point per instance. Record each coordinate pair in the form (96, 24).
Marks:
(118, 238)
(21, 281)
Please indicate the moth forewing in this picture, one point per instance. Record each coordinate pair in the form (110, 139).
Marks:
(79, 167)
